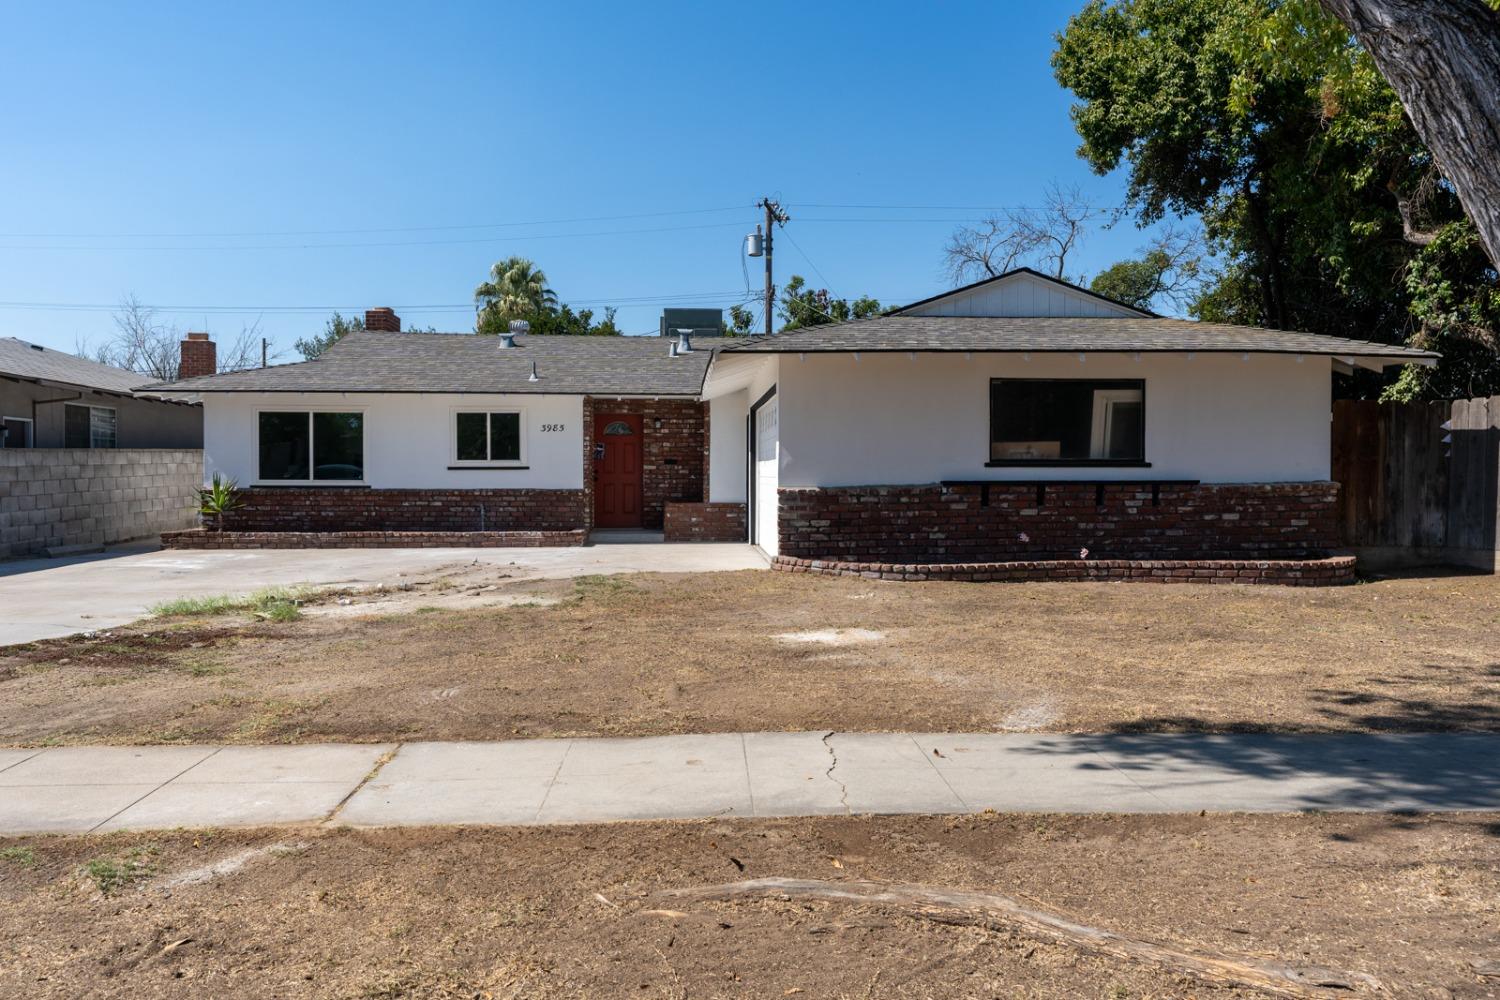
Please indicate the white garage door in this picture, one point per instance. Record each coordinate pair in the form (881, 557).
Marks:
(767, 461)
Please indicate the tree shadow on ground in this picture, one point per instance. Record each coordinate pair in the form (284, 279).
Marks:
(1244, 767)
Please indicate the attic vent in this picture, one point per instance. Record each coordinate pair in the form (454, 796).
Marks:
(36, 347)
(507, 340)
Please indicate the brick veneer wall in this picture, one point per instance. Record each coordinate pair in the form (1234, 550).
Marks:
(321, 509)
(199, 538)
(672, 458)
(51, 497)
(705, 522)
(1327, 571)
(952, 524)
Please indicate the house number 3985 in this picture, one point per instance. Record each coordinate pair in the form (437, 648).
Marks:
(549, 428)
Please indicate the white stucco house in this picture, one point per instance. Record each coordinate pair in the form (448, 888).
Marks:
(1018, 420)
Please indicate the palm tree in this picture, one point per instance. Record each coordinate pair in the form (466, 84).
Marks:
(517, 289)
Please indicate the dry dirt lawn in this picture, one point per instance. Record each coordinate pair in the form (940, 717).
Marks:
(652, 654)
(584, 911)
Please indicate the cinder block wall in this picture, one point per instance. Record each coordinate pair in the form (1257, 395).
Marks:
(77, 496)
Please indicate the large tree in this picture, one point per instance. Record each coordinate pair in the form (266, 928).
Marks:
(1264, 119)
(802, 306)
(336, 329)
(516, 289)
(1443, 59)
(1035, 236)
(142, 343)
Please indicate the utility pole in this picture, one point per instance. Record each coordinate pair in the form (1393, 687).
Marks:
(774, 216)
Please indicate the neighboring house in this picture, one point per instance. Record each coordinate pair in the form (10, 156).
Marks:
(51, 399)
(85, 461)
(1019, 418)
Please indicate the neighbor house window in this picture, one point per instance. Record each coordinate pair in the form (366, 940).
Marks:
(302, 446)
(1062, 421)
(487, 436)
(15, 432)
(88, 426)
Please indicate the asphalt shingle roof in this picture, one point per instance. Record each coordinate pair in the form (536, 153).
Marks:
(33, 361)
(1042, 334)
(469, 363)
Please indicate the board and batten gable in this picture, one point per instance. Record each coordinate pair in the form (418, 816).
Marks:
(901, 419)
(1020, 293)
(408, 437)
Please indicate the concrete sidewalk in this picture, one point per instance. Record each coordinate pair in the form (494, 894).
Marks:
(81, 789)
(46, 598)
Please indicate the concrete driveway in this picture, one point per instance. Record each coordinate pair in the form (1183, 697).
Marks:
(45, 598)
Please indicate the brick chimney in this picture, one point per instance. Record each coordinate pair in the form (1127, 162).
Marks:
(384, 318)
(199, 356)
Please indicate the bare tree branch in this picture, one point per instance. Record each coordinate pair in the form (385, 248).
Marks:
(1043, 236)
(145, 345)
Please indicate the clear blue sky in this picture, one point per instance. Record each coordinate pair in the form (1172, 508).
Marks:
(275, 156)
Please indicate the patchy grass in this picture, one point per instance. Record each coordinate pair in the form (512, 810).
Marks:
(115, 874)
(275, 603)
(657, 654)
(18, 854)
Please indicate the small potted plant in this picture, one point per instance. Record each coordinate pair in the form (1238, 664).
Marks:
(218, 498)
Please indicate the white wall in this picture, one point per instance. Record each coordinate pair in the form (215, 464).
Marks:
(408, 437)
(888, 419)
(734, 384)
(726, 447)
(1022, 295)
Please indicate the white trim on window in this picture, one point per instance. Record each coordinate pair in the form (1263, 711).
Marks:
(96, 428)
(30, 431)
(498, 463)
(364, 438)
(1105, 401)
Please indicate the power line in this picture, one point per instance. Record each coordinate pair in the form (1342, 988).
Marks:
(348, 246)
(941, 208)
(623, 300)
(358, 232)
(816, 270)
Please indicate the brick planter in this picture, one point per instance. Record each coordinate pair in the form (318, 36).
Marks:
(705, 522)
(322, 509)
(1327, 571)
(1009, 522)
(203, 539)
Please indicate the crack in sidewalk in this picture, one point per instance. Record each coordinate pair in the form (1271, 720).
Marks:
(833, 755)
(380, 762)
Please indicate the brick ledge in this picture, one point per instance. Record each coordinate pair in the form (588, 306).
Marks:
(1322, 571)
(200, 538)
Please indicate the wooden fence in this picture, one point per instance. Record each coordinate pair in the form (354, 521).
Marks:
(1410, 496)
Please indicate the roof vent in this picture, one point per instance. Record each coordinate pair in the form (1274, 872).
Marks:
(507, 340)
(533, 377)
(36, 347)
(684, 341)
(519, 326)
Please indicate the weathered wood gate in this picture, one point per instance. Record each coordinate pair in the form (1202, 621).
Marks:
(1409, 495)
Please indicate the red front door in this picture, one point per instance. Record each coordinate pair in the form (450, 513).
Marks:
(617, 471)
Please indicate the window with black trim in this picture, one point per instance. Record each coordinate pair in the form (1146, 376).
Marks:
(1038, 421)
(487, 436)
(307, 446)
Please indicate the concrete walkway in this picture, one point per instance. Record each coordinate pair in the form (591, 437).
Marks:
(81, 789)
(46, 598)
